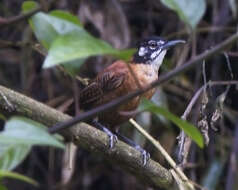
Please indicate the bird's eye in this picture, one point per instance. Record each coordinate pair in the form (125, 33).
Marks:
(153, 45)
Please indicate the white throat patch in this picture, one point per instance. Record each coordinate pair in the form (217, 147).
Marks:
(155, 54)
(157, 62)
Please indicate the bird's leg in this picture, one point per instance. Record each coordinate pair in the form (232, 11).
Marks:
(112, 137)
(144, 153)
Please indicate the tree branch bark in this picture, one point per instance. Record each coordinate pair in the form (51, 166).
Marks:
(89, 138)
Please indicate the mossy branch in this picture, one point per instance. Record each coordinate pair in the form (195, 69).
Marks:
(87, 137)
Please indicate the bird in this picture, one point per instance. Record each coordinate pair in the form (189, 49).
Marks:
(121, 78)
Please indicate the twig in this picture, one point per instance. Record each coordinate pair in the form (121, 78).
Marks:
(229, 64)
(13, 20)
(202, 30)
(177, 179)
(162, 151)
(182, 138)
(233, 161)
(204, 73)
(233, 54)
(164, 78)
(68, 163)
(192, 103)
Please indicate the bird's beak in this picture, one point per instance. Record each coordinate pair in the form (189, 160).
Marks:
(169, 44)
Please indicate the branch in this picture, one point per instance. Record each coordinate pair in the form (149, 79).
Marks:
(12, 20)
(89, 138)
(164, 78)
(185, 141)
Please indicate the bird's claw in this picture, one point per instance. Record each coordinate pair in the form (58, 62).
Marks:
(112, 137)
(112, 140)
(145, 155)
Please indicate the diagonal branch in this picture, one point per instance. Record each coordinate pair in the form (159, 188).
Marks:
(89, 138)
(164, 78)
(15, 19)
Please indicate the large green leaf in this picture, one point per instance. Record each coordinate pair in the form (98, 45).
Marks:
(19, 130)
(79, 45)
(15, 175)
(188, 128)
(47, 27)
(67, 41)
(189, 11)
(66, 16)
(12, 154)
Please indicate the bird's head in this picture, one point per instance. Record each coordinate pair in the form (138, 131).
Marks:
(152, 50)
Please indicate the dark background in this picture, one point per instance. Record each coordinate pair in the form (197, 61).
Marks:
(124, 23)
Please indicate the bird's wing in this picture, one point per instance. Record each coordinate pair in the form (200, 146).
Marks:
(90, 94)
(110, 81)
(104, 83)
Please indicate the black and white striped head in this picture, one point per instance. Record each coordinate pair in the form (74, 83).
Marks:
(152, 50)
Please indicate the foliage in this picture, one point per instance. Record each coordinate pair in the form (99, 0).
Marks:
(16, 140)
(14, 175)
(190, 12)
(70, 41)
(67, 41)
(188, 128)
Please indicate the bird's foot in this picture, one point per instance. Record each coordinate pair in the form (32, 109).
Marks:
(112, 137)
(145, 155)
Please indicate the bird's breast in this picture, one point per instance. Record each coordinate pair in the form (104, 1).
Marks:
(139, 73)
(140, 76)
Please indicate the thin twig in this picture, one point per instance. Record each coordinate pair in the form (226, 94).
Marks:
(15, 19)
(233, 162)
(233, 54)
(164, 78)
(192, 103)
(228, 64)
(182, 137)
(204, 72)
(156, 143)
(202, 30)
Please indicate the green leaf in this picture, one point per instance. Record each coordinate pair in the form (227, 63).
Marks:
(79, 45)
(125, 54)
(15, 175)
(188, 128)
(2, 187)
(47, 27)
(28, 6)
(2, 117)
(188, 11)
(20, 130)
(12, 155)
(68, 43)
(17, 138)
(73, 67)
(66, 16)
